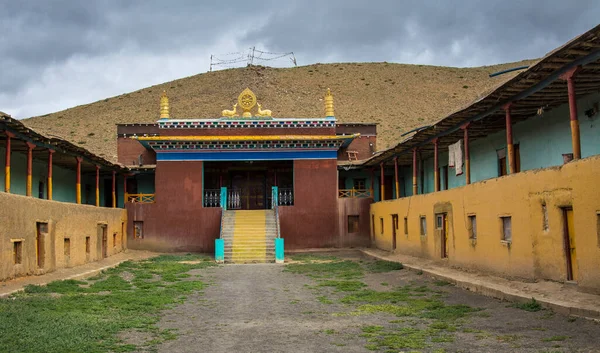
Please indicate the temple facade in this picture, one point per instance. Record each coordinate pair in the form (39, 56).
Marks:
(194, 181)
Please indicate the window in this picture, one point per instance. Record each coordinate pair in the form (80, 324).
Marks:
(545, 217)
(506, 229)
(598, 227)
(114, 240)
(87, 245)
(360, 184)
(439, 221)
(138, 230)
(406, 225)
(395, 221)
(381, 224)
(472, 227)
(353, 224)
(423, 222)
(501, 162)
(67, 247)
(18, 252)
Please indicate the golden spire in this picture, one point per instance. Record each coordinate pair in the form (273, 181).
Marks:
(164, 106)
(329, 104)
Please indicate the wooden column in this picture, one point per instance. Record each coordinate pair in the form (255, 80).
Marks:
(9, 136)
(415, 173)
(510, 149)
(396, 177)
(124, 189)
(382, 182)
(436, 165)
(467, 161)
(372, 190)
(575, 138)
(97, 186)
(49, 195)
(78, 180)
(114, 189)
(30, 147)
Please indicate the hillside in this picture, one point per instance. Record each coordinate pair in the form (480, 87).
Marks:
(399, 97)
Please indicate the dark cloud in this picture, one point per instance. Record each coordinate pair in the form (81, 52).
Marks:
(92, 49)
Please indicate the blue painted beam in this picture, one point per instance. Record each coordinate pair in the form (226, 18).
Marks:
(245, 156)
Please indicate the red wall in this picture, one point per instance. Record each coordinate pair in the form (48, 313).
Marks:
(313, 220)
(177, 221)
(128, 150)
(361, 145)
(355, 207)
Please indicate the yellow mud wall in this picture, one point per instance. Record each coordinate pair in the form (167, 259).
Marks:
(19, 216)
(537, 247)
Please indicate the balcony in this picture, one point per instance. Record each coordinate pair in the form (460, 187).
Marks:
(354, 193)
(140, 198)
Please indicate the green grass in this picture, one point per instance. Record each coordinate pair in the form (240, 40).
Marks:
(335, 269)
(555, 338)
(88, 319)
(343, 286)
(532, 305)
(380, 266)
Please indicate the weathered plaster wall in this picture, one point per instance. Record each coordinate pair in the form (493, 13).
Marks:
(177, 221)
(19, 215)
(534, 252)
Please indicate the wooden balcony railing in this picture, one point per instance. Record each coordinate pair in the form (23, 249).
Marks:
(140, 198)
(354, 193)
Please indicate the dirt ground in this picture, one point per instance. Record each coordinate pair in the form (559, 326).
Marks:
(266, 308)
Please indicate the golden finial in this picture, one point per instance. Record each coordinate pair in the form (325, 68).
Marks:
(164, 106)
(329, 104)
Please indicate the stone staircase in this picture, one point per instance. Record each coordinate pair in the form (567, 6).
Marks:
(249, 236)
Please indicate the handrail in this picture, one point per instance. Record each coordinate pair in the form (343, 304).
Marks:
(275, 207)
(344, 193)
(140, 198)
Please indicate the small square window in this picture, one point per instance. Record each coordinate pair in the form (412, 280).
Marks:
(360, 184)
(406, 225)
(114, 240)
(67, 247)
(18, 252)
(439, 221)
(381, 224)
(87, 245)
(472, 227)
(138, 229)
(423, 222)
(353, 224)
(506, 228)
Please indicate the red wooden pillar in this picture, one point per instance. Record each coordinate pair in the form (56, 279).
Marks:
(510, 150)
(465, 128)
(78, 180)
(124, 189)
(575, 139)
(30, 147)
(436, 165)
(415, 173)
(382, 181)
(9, 136)
(114, 189)
(396, 177)
(50, 153)
(97, 186)
(372, 190)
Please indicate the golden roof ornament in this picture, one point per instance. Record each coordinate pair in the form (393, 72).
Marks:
(247, 101)
(329, 104)
(164, 106)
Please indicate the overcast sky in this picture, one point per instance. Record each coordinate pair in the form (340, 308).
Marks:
(56, 54)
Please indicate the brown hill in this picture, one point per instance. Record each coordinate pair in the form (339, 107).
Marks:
(398, 97)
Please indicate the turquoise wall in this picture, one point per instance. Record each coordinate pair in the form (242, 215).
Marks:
(366, 174)
(542, 141)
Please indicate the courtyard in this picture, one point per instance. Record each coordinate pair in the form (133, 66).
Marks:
(316, 302)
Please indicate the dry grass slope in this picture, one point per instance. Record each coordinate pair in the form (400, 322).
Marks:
(399, 97)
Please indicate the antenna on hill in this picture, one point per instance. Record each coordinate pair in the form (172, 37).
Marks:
(252, 57)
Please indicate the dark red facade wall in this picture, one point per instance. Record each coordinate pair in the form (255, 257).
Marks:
(247, 132)
(313, 220)
(354, 207)
(361, 145)
(177, 221)
(129, 150)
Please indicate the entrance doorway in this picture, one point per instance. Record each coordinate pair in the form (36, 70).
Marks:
(252, 188)
(394, 230)
(569, 244)
(441, 224)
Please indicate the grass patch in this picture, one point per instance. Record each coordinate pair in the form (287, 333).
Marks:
(532, 305)
(343, 286)
(336, 269)
(555, 338)
(380, 266)
(84, 320)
